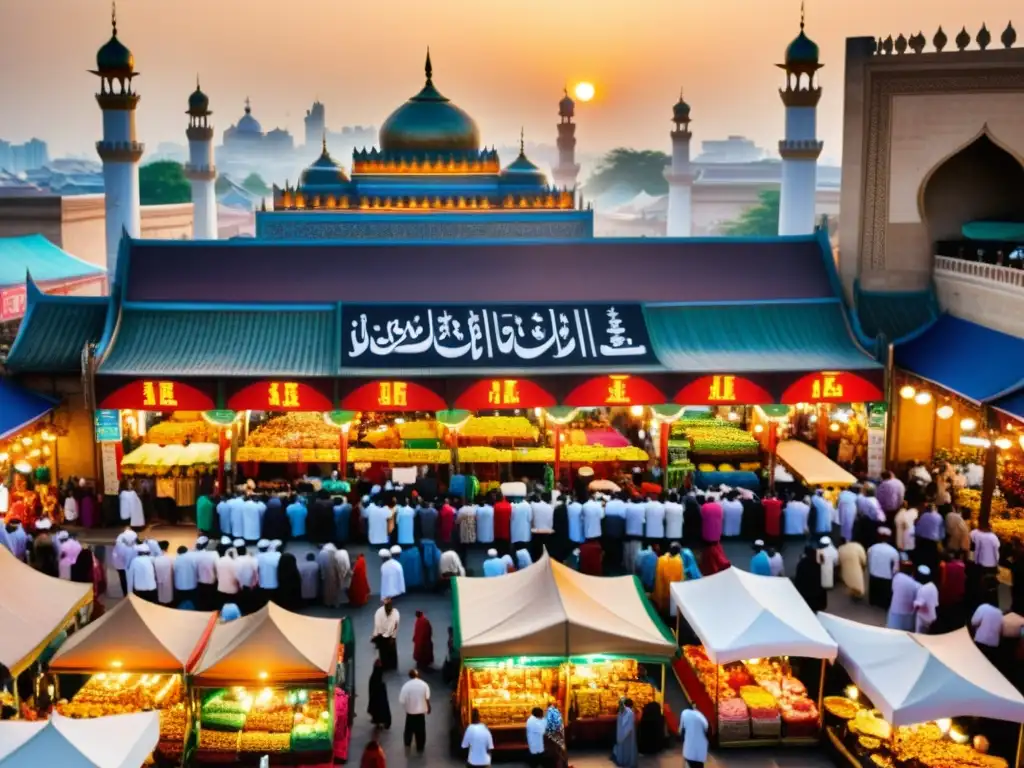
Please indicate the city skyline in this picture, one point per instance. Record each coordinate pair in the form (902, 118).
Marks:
(363, 64)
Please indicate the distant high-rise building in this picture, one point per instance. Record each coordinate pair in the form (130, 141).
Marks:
(19, 158)
(316, 123)
(732, 149)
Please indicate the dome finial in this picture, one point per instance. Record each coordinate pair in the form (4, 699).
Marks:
(113, 16)
(197, 82)
(522, 142)
(801, 15)
(248, 106)
(428, 67)
(323, 142)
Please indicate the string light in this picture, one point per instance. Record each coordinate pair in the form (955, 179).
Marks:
(907, 392)
(968, 424)
(923, 398)
(944, 412)
(1003, 443)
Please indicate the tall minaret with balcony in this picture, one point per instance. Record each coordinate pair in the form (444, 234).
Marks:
(200, 170)
(680, 174)
(801, 148)
(119, 150)
(568, 170)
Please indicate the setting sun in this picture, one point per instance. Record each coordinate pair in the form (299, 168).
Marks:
(584, 91)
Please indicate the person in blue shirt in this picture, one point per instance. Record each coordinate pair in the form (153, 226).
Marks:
(647, 568)
(575, 510)
(823, 518)
(690, 568)
(484, 522)
(297, 516)
(760, 564)
(224, 516)
(405, 522)
(342, 519)
(494, 565)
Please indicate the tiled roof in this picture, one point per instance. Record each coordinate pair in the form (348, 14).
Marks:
(894, 316)
(54, 332)
(44, 261)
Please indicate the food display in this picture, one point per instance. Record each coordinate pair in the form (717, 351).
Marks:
(714, 437)
(572, 454)
(267, 721)
(939, 744)
(183, 427)
(506, 694)
(758, 698)
(597, 688)
(150, 459)
(499, 427)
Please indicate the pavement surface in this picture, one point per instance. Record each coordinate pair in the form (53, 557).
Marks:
(438, 609)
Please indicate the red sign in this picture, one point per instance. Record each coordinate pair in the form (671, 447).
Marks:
(279, 396)
(723, 389)
(498, 394)
(393, 395)
(158, 395)
(617, 389)
(12, 303)
(831, 387)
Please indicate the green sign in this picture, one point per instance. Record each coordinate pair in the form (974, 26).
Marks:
(108, 426)
(876, 415)
(221, 418)
(341, 418)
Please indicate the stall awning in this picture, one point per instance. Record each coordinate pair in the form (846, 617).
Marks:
(46, 262)
(1005, 231)
(271, 646)
(969, 359)
(117, 741)
(1012, 404)
(136, 636)
(33, 608)
(225, 342)
(550, 610)
(741, 338)
(811, 465)
(54, 332)
(19, 407)
(914, 678)
(766, 616)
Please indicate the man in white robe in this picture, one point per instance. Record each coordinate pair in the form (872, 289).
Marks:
(385, 634)
(392, 577)
(131, 508)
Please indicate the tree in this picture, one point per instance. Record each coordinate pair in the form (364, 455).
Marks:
(255, 184)
(641, 170)
(761, 220)
(222, 184)
(163, 183)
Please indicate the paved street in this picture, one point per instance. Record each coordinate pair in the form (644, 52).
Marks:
(438, 609)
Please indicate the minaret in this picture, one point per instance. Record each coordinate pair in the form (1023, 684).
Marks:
(800, 148)
(119, 151)
(568, 170)
(680, 174)
(200, 169)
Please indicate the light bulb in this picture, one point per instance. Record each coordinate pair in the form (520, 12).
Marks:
(923, 398)
(834, 426)
(758, 428)
(1003, 443)
(968, 424)
(907, 392)
(945, 412)
(636, 410)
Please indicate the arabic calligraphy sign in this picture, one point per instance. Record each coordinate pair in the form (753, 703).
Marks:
(513, 335)
(724, 389)
(615, 390)
(388, 395)
(503, 394)
(158, 395)
(832, 387)
(279, 396)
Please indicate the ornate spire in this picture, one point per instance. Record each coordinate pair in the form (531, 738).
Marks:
(522, 142)
(323, 143)
(429, 68)
(197, 82)
(113, 17)
(248, 106)
(801, 15)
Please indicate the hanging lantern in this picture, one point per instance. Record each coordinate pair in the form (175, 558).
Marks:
(944, 412)
(923, 398)
(968, 424)
(907, 392)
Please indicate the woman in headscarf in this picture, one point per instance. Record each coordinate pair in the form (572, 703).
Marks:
(423, 642)
(690, 569)
(373, 756)
(558, 544)
(275, 521)
(44, 556)
(86, 504)
(289, 585)
(359, 589)
(808, 580)
(70, 549)
(713, 560)
(625, 753)
(330, 575)
(84, 571)
(378, 707)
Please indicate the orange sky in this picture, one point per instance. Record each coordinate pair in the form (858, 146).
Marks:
(504, 61)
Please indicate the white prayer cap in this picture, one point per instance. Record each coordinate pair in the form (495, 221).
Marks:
(576, 551)
(132, 535)
(142, 549)
(275, 545)
(825, 541)
(202, 541)
(884, 532)
(759, 543)
(44, 524)
(492, 552)
(384, 553)
(63, 536)
(262, 544)
(396, 550)
(924, 570)
(225, 541)
(366, 499)
(238, 543)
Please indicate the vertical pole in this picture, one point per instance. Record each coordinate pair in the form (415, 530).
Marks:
(773, 442)
(664, 428)
(988, 483)
(221, 446)
(821, 693)
(822, 427)
(558, 452)
(343, 452)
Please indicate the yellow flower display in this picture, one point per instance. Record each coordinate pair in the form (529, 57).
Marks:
(491, 427)
(581, 454)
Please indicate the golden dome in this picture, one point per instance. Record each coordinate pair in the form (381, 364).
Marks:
(428, 123)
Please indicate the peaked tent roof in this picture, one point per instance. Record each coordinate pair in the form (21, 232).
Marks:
(550, 610)
(33, 608)
(270, 645)
(46, 262)
(117, 741)
(19, 407)
(141, 636)
(765, 616)
(914, 678)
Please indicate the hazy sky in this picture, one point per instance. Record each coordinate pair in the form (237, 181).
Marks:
(504, 61)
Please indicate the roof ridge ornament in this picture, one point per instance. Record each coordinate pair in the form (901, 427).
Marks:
(113, 17)
(428, 68)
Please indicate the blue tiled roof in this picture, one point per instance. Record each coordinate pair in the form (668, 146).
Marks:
(20, 407)
(224, 342)
(54, 332)
(790, 336)
(969, 359)
(44, 261)
(894, 316)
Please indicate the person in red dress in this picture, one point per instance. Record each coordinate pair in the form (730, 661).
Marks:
(713, 560)
(423, 642)
(373, 756)
(592, 558)
(772, 519)
(502, 524)
(359, 589)
(445, 524)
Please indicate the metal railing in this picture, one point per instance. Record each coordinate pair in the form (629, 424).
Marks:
(994, 273)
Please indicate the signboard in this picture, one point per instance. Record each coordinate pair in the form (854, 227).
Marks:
(724, 389)
(519, 335)
(831, 387)
(158, 395)
(110, 466)
(279, 396)
(504, 394)
(108, 426)
(615, 390)
(13, 302)
(393, 395)
(876, 439)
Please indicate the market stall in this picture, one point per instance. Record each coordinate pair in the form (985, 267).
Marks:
(812, 466)
(756, 637)
(34, 609)
(550, 634)
(265, 684)
(136, 656)
(120, 741)
(925, 700)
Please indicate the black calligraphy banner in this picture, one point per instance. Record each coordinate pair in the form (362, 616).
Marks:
(521, 335)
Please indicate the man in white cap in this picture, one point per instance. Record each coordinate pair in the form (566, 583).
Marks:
(247, 571)
(901, 608)
(141, 574)
(494, 565)
(392, 577)
(224, 545)
(185, 575)
(450, 565)
(883, 563)
(926, 604)
(828, 556)
(122, 556)
(206, 575)
(266, 562)
(385, 634)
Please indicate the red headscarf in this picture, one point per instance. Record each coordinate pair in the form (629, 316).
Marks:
(423, 642)
(359, 589)
(373, 756)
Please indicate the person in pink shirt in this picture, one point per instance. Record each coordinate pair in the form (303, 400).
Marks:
(711, 516)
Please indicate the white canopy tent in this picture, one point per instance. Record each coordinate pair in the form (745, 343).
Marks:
(914, 678)
(119, 741)
(738, 615)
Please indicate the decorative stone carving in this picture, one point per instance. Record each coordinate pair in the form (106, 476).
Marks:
(963, 39)
(917, 42)
(1009, 36)
(984, 37)
(940, 40)
(901, 44)
(887, 45)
